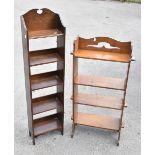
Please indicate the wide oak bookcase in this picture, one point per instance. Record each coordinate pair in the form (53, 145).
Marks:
(116, 52)
(37, 24)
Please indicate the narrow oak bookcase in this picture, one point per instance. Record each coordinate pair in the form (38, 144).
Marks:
(37, 24)
(115, 52)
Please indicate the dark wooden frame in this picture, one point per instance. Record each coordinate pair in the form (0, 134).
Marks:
(117, 52)
(36, 25)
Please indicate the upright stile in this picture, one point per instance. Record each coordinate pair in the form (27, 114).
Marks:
(37, 24)
(115, 52)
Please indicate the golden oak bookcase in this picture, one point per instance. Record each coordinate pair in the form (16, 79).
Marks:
(37, 24)
(117, 52)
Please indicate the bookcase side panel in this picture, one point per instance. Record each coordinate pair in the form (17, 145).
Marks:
(27, 74)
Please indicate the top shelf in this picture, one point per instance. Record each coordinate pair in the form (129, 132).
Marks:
(42, 23)
(44, 33)
(102, 55)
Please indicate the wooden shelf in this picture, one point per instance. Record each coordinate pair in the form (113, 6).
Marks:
(45, 80)
(99, 101)
(44, 33)
(98, 121)
(102, 82)
(46, 103)
(36, 24)
(101, 55)
(46, 124)
(44, 57)
(105, 49)
(121, 126)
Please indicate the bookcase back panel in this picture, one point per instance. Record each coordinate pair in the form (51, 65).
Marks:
(105, 44)
(43, 19)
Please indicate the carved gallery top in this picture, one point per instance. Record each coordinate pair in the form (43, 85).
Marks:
(103, 48)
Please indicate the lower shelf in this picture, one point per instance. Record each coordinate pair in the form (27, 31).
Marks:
(98, 121)
(99, 101)
(44, 57)
(45, 80)
(46, 103)
(100, 81)
(46, 124)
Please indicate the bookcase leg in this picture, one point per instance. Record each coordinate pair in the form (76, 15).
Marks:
(29, 133)
(73, 130)
(62, 132)
(119, 134)
(33, 141)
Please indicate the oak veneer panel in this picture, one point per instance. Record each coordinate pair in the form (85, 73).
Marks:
(98, 121)
(98, 101)
(44, 33)
(101, 55)
(46, 124)
(44, 57)
(45, 80)
(102, 82)
(46, 103)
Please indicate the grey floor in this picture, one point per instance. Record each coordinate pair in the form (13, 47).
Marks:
(87, 18)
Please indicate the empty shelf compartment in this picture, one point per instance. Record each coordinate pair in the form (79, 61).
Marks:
(46, 103)
(46, 124)
(45, 80)
(98, 121)
(102, 82)
(102, 55)
(44, 33)
(99, 101)
(44, 57)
